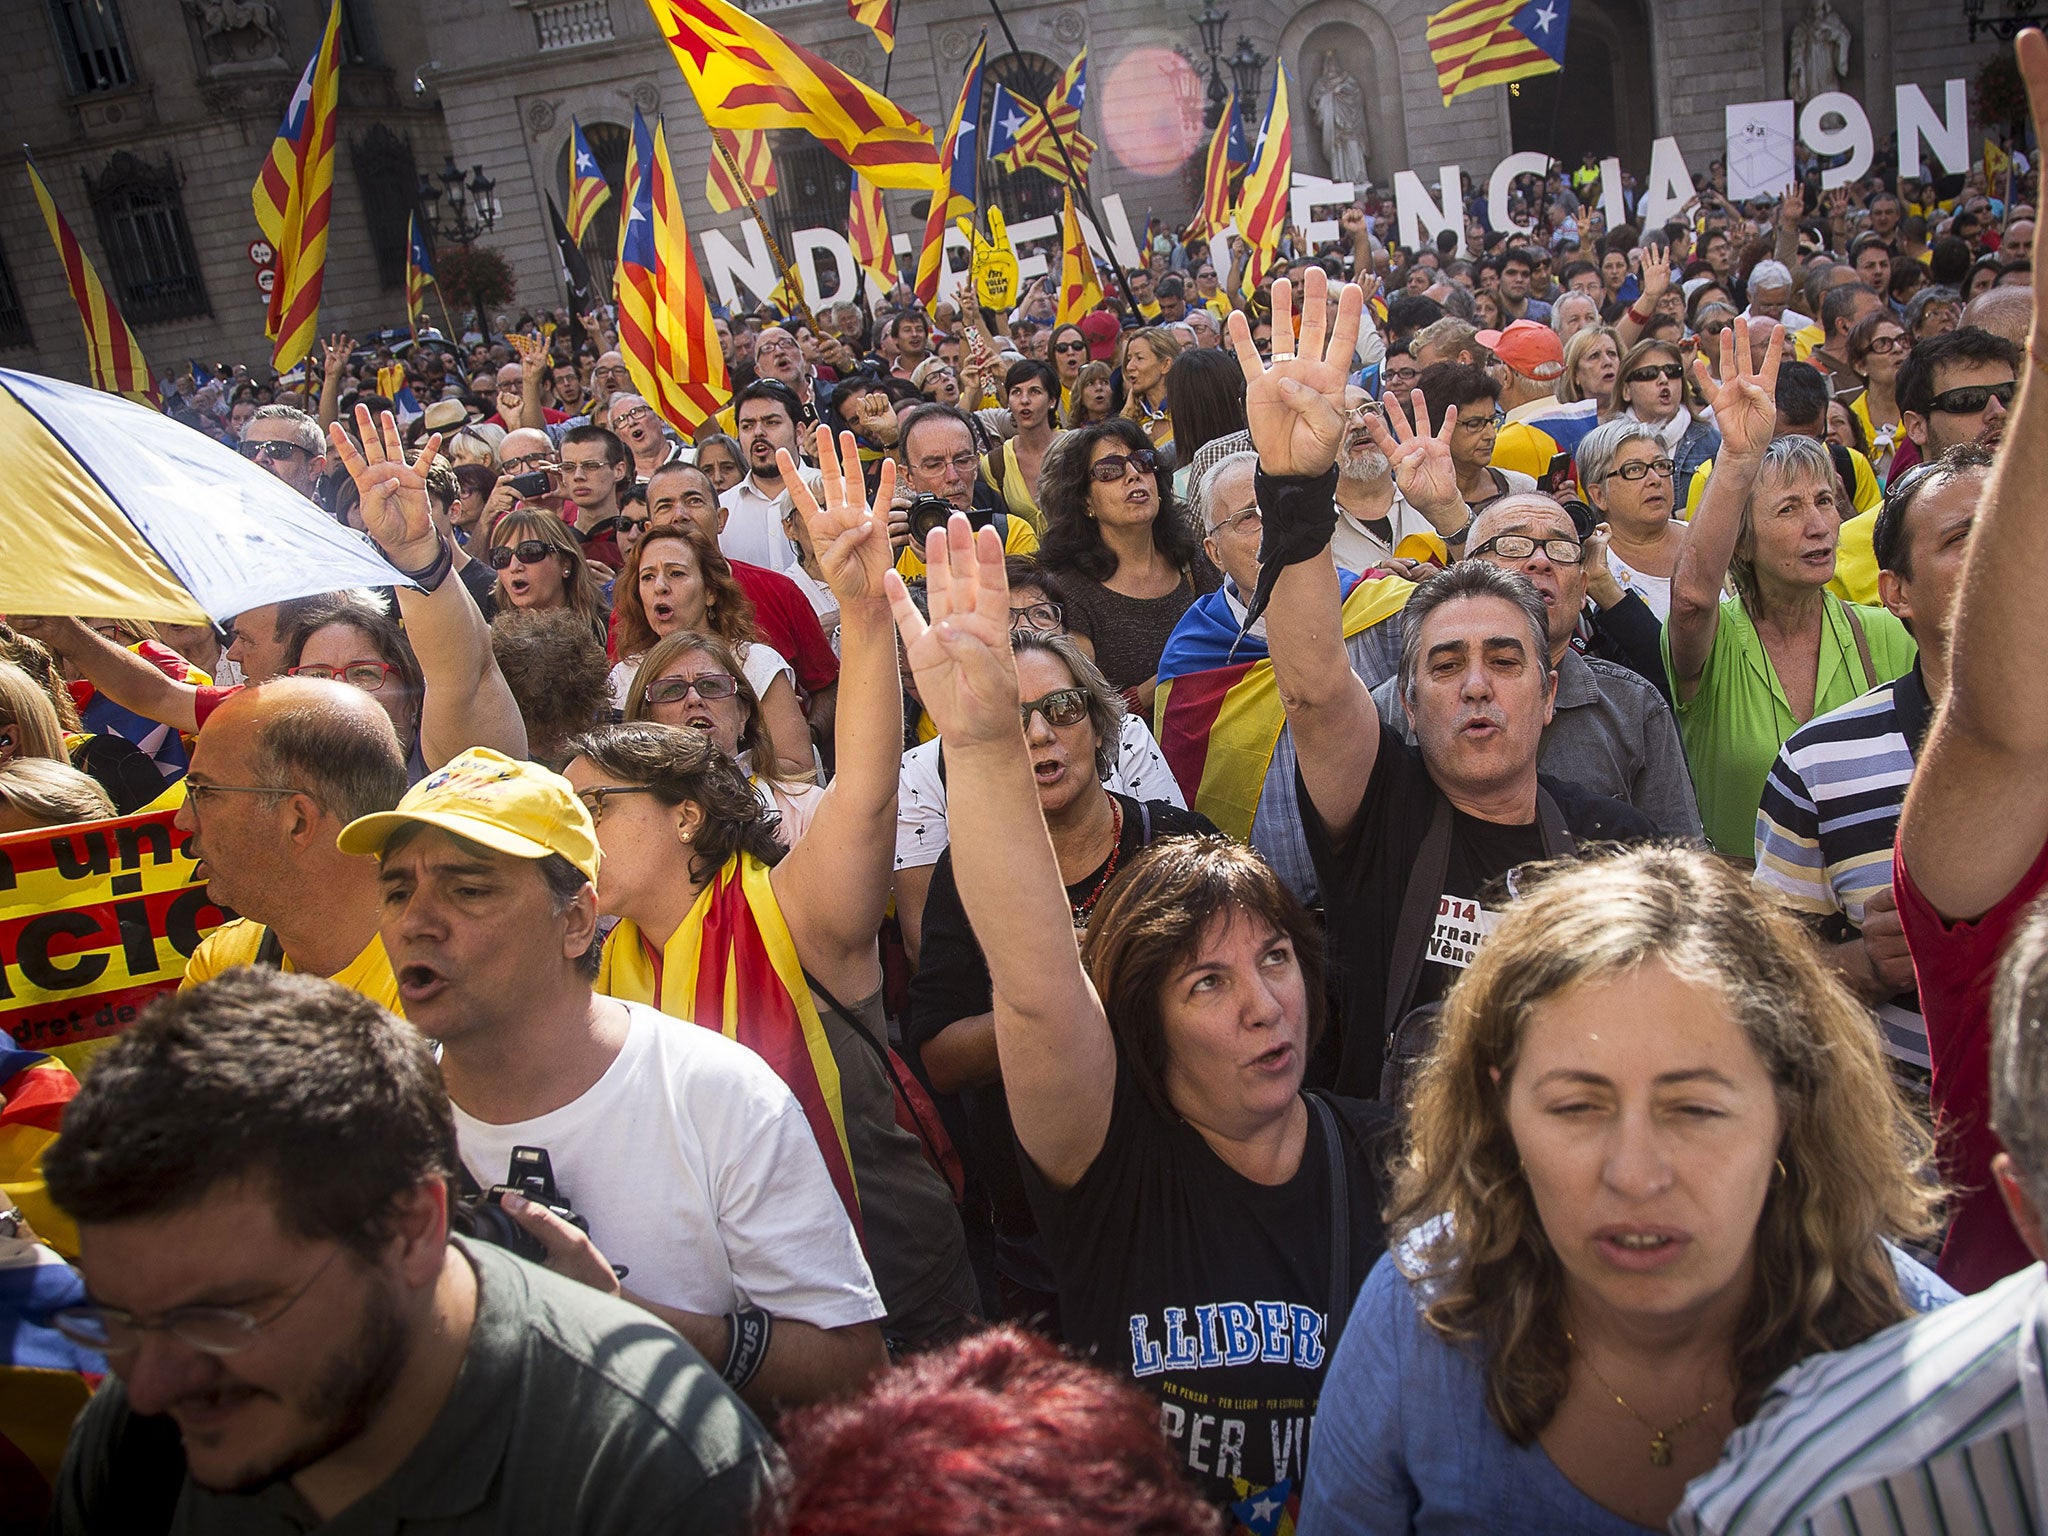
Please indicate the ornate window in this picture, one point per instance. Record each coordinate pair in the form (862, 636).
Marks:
(13, 323)
(140, 211)
(387, 178)
(610, 143)
(92, 45)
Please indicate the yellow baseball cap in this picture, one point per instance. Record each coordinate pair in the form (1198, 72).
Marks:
(506, 805)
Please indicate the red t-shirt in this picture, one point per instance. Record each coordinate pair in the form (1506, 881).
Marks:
(209, 700)
(787, 621)
(1954, 964)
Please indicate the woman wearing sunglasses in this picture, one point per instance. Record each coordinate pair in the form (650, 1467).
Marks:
(677, 582)
(1069, 357)
(1650, 388)
(1127, 558)
(540, 565)
(1877, 346)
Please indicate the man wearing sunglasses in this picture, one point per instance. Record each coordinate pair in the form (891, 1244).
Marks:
(1957, 388)
(287, 442)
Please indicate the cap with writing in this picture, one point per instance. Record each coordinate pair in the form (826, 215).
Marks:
(511, 807)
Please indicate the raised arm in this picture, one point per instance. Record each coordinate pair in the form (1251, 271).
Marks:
(1656, 278)
(131, 681)
(1058, 1060)
(1745, 409)
(467, 702)
(1985, 765)
(333, 359)
(1295, 411)
(834, 886)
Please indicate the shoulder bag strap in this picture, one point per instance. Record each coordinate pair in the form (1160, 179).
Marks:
(1558, 842)
(887, 1057)
(1862, 645)
(1340, 1221)
(269, 951)
(1418, 907)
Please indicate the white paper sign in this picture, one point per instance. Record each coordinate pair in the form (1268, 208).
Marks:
(1760, 145)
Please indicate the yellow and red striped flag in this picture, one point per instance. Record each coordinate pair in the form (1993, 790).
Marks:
(879, 17)
(1477, 43)
(110, 348)
(956, 187)
(588, 190)
(1030, 141)
(665, 330)
(293, 198)
(1079, 290)
(1262, 201)
(749, 150)
(1226, 154)
(867, 231)
(747, 75)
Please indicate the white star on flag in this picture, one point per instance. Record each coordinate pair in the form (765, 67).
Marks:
(1263, 1510)
(585, 163)
(1012, 123)
(1545, 17)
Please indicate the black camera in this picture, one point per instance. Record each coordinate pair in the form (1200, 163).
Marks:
(480, 1215)
(532, 484)
(926, 513)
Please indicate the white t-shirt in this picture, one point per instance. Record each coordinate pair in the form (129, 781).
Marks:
(762, 664)
(753, 529)
(695, 1167)
(1141, 773)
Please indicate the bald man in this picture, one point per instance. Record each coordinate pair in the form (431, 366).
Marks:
(2007, 312)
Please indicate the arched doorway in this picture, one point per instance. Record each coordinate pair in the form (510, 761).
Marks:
(1602, 100)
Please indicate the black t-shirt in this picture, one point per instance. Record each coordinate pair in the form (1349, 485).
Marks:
(952, 983)
(1209, 1290)
(1364, 876)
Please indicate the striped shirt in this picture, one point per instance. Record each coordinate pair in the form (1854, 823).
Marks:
(1938, 1424)
(1830, 815)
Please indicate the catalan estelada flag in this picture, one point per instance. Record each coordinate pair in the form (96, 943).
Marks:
(1262, 200)
(732, 966)
(1079, 290)
(1226, 156)
(1218, 706)
(1020, 135)
(588, 190)
(879, 17)
(956, 188)
(111, 353)
(665, 332)
(419, 270)
(749, 150)
(45, 1379)
(867, 231)
(747, 75)
(293, 198)
(1477, 43)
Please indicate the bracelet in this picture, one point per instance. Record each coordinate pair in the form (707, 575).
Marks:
(750, 1329)
(430, 577)
(1639, 319)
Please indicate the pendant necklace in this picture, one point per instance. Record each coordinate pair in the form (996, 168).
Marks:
(1660, 1439)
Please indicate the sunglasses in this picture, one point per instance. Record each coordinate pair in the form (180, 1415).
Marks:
(526, 552)
(710, 687)
(1112, 467)
(1062, 707)
(1655, 371)
(1969, 399)
(635, 524)
(1070, 346)
(267, 451)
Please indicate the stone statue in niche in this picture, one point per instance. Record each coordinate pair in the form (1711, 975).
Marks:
(1820, 53)
(239, 31)
(1339, 107)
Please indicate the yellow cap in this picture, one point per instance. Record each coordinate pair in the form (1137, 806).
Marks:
(511, 807)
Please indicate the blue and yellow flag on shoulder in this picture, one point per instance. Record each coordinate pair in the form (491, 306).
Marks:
(419, 270)
(1477, 43)
(956, 188)
(588, 190)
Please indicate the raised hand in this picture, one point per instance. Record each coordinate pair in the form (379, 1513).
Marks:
(1421, 459)
(396, 511)
(1792, 206)
(1295, 407)
(336, 350)
(851, 542)
(966, 674)
(533, 355)
(1744, 399)
(1656, 272)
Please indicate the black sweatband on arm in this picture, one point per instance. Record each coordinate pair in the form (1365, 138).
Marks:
(750, 1330)
(1299, 514)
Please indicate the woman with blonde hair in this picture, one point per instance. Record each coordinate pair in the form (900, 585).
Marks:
(1092, 397)
(1655, 1161)
(1592, 361)
(540, 565)
(36, 792)
(34, 724)
(1147, 355)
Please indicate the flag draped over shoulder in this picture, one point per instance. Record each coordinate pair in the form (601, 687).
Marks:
(665, 330)
(879, 17)
(419, 270)
(1477, 43)
(749, 150)
(293, 198)
(867, 231)
(1226, 157)
(1218, 706)
(747, 75)
(1262, 202)
(111, 352)
(1079, 289)
(588, 190)
(955, 189)
(732, 966)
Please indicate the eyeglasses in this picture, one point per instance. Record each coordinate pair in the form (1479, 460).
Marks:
(1062, 707)
(1969, 399)
(960, 464)
(196, 792)
(1400, 375)
(1248, 515)
(632, 418)
(594, 799)
(768, 348)
(1638, 468)
(617, 371)
(1519, 546)
(526, 552)
(1045, 616)
(635, 524)
(514, 390)
(268, 451)
(710, 687)
(1651, 373)
(1112, 467)
(369, 676)
(1889, 344)
(1070, 346)
(210, 1330)
(526, 461)
(1481, 423)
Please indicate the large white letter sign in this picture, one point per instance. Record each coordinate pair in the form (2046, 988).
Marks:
(1949, 140)
(1525, 163)
(1852, 138)
(1420, 218)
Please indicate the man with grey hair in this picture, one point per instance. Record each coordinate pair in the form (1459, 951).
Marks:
(1373, 517)
(1770, 294)
(633, 422)
(1449, 340)
(288, 443)
(1610, 733)
(1207, 328)
(777, 356)
(2006, 311)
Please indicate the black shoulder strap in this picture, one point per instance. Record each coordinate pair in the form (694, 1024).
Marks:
(1558, 842)
(1340, 1221)
(269, 951)
(882, 1053)
(1418, 907)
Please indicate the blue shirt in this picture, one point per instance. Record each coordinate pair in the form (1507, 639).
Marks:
(1403, 1442)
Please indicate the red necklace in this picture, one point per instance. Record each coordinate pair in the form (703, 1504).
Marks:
(1116, 849)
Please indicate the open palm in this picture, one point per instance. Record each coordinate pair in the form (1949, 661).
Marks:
(395, 509)
(1294, 407)
(1421, 459)
(852, 543)
(1744, 402)
(966, 674)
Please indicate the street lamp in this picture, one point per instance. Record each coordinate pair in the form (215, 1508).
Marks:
(1210, 22)
(471, 212)
(2021, 15)
(1246, 65)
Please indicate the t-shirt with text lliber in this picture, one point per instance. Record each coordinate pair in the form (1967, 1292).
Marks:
(1211, 1291)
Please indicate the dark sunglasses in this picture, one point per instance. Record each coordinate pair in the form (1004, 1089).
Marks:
(634, 524)
(267, 451)
(1062, 707)
(1969, 399)
(1652, 372)
(673, 690)
(526, 552)
(1114, 466)
(1070, 346)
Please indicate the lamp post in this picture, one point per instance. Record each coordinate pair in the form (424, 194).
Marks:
(1246, 66)
(1210, 22)
(2005, 28)
(471, 213)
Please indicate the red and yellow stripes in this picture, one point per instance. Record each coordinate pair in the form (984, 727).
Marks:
(955, 183)
(749, 150)
(1079, 290)
(867, 231)
(111, 351)
(1214, 213)
(665, 329)
(1262, 202)
(294, 197)
(879, 17)
(1476, 43)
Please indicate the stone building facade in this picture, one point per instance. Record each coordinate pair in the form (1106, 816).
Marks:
(499, 83)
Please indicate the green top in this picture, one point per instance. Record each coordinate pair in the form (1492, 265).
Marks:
(1733, 726)
(573, 1413)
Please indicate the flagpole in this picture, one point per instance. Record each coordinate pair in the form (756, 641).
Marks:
(1059, 142)
(796, 292)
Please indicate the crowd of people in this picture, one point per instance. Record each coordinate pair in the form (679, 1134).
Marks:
(1400, 899)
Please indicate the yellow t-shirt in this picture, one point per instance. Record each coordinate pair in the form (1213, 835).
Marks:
(1866, 496)
(1804, 342)
(236, 943)
(1015, 492)
(1017, 540)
